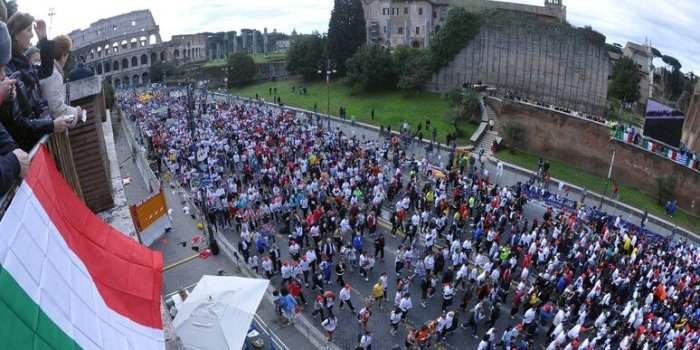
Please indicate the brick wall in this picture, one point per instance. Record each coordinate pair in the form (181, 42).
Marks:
(586, 145)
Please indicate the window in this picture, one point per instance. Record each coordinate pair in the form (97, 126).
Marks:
(133, 23)
(417, 30)
(385, 11)
(114, 27)
(420, 11)
(405, 10)
(400, 29)
(434, 14)
(384, 29)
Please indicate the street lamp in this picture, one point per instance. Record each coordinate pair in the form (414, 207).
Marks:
(607, 182)
(328, 70)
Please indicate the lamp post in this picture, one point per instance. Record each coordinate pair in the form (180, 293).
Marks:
(607, 182)
(328, 70)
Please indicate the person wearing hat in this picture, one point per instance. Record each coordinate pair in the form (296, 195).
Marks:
(52, 88)
(23, 118)
(14, 162)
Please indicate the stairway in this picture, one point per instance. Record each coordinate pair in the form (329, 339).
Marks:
(486, 142)
(490, 112)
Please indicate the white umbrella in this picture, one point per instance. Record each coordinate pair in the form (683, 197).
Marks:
(218, 313)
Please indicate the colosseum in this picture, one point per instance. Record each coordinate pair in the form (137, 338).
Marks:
(122, 48)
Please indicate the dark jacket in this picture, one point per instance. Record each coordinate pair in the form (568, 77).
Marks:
(81, 71)
(22, 116)
(9, 166)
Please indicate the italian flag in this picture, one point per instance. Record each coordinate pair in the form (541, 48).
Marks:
(650, 146)
(672, 154)
(68, 280)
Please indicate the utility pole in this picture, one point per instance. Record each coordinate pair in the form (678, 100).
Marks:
(52, 12)
(328, 70)
(607, 182)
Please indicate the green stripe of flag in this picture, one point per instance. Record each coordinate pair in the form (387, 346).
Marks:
(23, 325)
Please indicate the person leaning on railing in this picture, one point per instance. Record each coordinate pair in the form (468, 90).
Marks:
(52, 88)
(14, 162)
(24, 118)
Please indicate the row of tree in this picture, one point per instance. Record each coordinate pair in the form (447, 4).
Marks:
(374, 67)
(626, 76)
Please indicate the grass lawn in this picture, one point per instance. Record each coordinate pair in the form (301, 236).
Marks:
(594, 183)
(390, 108)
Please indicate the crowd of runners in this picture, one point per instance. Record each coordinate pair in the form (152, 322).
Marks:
(311, 206)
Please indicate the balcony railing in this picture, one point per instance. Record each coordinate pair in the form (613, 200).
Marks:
(80, 153)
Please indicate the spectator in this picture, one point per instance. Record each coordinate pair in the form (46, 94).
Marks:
(52, 87)
(23, 118)
(81, 70)
(14, 162)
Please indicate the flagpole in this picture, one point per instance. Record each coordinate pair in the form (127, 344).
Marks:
(180, 262)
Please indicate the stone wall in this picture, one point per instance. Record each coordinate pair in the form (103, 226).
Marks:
(539, 60)
(586, 145)
(691, 126)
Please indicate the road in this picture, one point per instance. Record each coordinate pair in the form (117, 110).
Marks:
(184, 229)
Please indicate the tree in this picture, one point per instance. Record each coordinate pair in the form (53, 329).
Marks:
(160, 70)
(516, 135)
(461, 27)
(305, 55)
(346, 31)
(413, 68)
(465, 107)
(671, 61)
(241, 69)
(417, 71)
(625, 81)
(371, 69)
(108, 93)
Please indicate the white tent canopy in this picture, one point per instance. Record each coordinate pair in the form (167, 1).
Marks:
(218, 313)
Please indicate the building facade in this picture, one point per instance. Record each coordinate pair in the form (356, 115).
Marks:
(251, 41)
(393, 23)
(642, 57)
(122, 48)
(691, 126)
(188, 48)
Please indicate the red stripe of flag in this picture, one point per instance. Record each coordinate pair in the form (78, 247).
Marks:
(127, 274)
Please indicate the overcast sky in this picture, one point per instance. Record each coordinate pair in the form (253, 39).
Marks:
(672, 26)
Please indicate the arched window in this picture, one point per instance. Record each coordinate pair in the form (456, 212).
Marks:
(143, 40)
(135, 80)
(92, 54)
(117, 83)
(99, 52)
(107, 67)
(152, 39)
(144, 59)
(125, 44)
(134, 61)
(125, 63)
(144, 78)
(99, 68)
(176, 53)
(134, 43)
(154, 57)
(162, 56)
(115, 66)
(115, 48)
